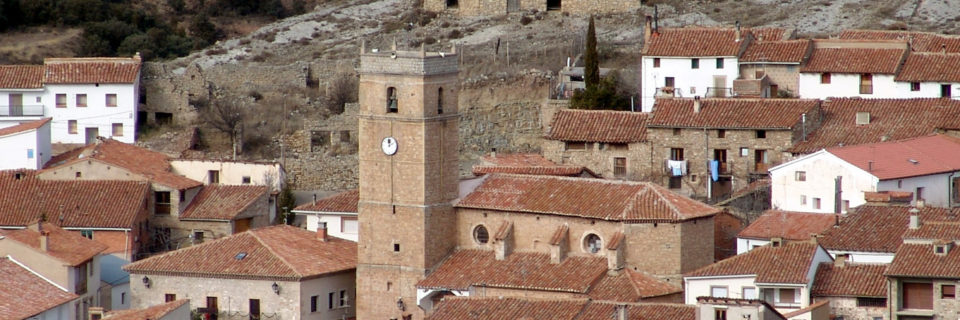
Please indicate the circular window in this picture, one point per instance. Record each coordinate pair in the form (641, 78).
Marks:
(592, 243)
(480, 234)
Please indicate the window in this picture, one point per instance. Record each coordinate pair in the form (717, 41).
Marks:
(760, 159)
(29, 153)
(718, 291)
(761, 134)
(800, 175)
(676, 153)
(78, 174)
(123, 298)
(313, 303)
(198, 236)
(213, 176)
(749, 293)
(343, 298)
(87, 234)
(61, 100)
(330, 300)
(816, 203)
(668, 82)
(349, 225)
(392, 100)
(245, 180)
(440, 101)
(871, 302)
(592, 243)
(948, 291)
(81, 100)
(914, 86)
(117, 129)
(480, 234)
(721, 133)
(576, 145)
(788, 296)
(396, 247)
(162, 202)
(945, 91)
(825, 78)
(720, 314)
(803, 200)
(719, 63)
(694, 63)
(619, 167)
(169, 297)
(111, 99)
(656, 62)
(866, 83)
(72, 126)
(917, 295)
(676, 131)
(919, 194)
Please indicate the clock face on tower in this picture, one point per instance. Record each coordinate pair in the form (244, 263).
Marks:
(389, 146)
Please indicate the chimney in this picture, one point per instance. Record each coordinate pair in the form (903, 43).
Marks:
(736, 31)
(44, 240)
(314, 199)
(322, 231)
(813, 238)
(615, 252)
(696, 104)
(914, 219)
(776, 242)
(622, 313)
(840, 261)
(647, 29)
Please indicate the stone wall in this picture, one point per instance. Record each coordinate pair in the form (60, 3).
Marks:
(599, 158)
(848, 309)
(499, 7)
(786, 77)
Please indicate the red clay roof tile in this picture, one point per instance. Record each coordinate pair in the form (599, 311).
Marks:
(935, 230)
(89, 204)
(611, 200)
(854, 60)
(23, 127)
(788, 263)
(90, 70)
(890, 119)
(788, 225)
(920, 261)
(153, 165)
(640, 311)
(344, 202)
(850, 280)
(526, 163)
(493, 308)
(630, 286)
(149, 313)
(24, 294)
(223, 202)
(792, 51)
(21, 77)
(732, 113)
(516, 160)
(695, 42)
(876, 228)
(281, 251)
(599, 126)
(919, 41)
(66, 246)
(904, 158)
(520, 270)
(930, 67)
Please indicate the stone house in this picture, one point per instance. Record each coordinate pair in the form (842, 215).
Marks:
(923, 277)
(63, 258)
(27, 145)
(173, 310)
(771, 68)
(782, 274)
(743, 137)
(853, 290)
(278, 272)
(24, 294)
(777, 225)
(612, 144)
(852, 68)
(336, 213)
(86, 97)
(499, 7)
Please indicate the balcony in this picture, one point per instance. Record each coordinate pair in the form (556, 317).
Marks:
(22, 111)
(668, 92)
(725, 168)
(675, 168)
(719, 92)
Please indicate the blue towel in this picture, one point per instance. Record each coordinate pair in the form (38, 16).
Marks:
(714, 169)
(677, 171)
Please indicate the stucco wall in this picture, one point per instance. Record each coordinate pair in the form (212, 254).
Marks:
(846, 85)
(821, 170)
(685, 77)
(25, 150)
(96, 114)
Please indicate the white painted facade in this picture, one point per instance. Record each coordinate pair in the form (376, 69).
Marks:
(846, 85)
(936, 188)
(28, 149)
(63, 311)
(744, 245)
(688, 82)
(31, 101)
(96, 115)
(821, 168)
(232, 172)
(864, 257)
(120, 296)
(335, 223)
(926, 90)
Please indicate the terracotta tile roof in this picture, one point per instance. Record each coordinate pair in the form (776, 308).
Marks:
(345, 202)
(24, 294)
(876, 228)
(748, 189)
(919, 41)
(789, 225)
(934, 230)
(66, 246)
(526, 163)
(930, 67)
(854, 60)
(90, 70)
(516, 160)
(912, 157)
(920, 261)
(152, 165)
(850, 280)
(610, 200)
(153, 312)
(90, 204)
(276, 252)
(23, 127)
(791, 51)
(694, 42)
(494, 308)
(788, 263)
(807, 309)
(630, 286)
(770, 34)
(640, 311)
(520, 270)
(21, 77)
(890, 119)
(731, 113)
(599, 126)
(222, 202)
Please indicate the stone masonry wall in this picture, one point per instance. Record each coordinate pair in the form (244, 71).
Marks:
(499, 7)
(848, 309)
(599, 158)
(786, 77)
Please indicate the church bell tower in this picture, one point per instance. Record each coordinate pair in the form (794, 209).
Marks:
(408, 125)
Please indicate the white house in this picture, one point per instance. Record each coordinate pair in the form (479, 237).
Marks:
(337, 212)
(26, 145)
(850, 68)
(277, 272)
(929, 75)
(781, 274)
(86, 97)
(777, 225)
(25, 294)
(835, 179)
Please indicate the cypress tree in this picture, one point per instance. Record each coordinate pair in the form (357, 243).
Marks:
(591, 65)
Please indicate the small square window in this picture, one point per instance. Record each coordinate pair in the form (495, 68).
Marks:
(719, 63)
(213, 176)
(948, 291)
(676, 131)
(914, 86)
(78, 174)
(117, 129)
(61, 100)
(111, 100)
(198, 236)
(656, 62)
(721, 133)
(800, 175)
(246, 179)
(396, 247)
(761, 134)
(81, 100)
(825, 78)
(694, 63)
(72, 126)
(816, 203)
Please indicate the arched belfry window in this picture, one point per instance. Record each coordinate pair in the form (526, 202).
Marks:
(440, 101)
(391, 100)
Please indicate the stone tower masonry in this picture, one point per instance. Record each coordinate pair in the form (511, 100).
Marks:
(408, 140)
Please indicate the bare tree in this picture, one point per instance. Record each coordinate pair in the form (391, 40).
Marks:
(342, 89)
(227, 117)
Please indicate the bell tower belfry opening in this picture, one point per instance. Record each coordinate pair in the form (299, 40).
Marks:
(408, 140)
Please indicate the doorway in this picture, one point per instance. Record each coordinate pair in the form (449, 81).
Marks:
(254, 309)
(16, 104)
(719, 86)
(92, 134)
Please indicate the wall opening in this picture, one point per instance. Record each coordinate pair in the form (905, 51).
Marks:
(553, 4)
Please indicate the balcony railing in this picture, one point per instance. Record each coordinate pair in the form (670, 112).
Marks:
(719, 92)
(668, 92)
(21, 111)
(725, 168)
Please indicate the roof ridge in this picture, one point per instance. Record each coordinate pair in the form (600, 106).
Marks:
(673, 207)
(256, 235)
